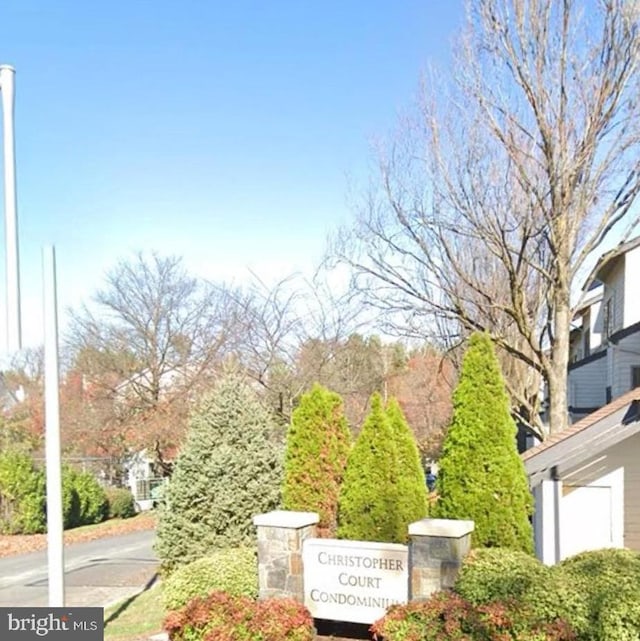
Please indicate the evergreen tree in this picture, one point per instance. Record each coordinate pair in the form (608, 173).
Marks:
(316, 455)
(228, 470)
(368, 497)
(410, 482)
(481, 476)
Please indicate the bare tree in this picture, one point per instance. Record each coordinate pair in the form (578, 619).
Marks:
(149, 341)
(280, 325)
(511, 176)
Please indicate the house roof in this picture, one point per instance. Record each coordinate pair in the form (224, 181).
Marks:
(592, 295)
(605, 261)
(585, 439)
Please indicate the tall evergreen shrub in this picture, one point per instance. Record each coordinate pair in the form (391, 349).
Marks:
(22, 495)
(368, 497)
(410, 482)
(316, 455)
(229, 469)
(481, 476)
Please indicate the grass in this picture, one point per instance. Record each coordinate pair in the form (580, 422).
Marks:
(136, 618)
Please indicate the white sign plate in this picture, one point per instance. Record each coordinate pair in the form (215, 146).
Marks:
(353, 580)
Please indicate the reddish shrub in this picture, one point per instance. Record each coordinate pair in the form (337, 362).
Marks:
(223, 617)
(448, 617)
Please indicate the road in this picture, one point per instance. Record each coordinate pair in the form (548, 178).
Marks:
(97, 573)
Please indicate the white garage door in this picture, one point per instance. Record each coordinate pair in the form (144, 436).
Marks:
(586, 518)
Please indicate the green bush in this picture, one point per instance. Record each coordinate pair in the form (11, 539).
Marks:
(229, 470)
(546, 593)
(316, 454)
(448, 616)
(225, 616)
(481, 476)
(94, 507)
(22, 495)
(120, 502)
(496, 574)
(232, 570)
(70, 498)
(410, 482)
(368, 497)
(610, 582)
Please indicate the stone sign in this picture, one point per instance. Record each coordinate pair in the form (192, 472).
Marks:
(353, 580)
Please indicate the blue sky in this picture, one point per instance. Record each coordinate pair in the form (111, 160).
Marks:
(223, 132)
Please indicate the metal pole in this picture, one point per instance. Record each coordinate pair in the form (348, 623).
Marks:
(7, 89)
(52, 432)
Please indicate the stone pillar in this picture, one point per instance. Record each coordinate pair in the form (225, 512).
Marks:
(437, 548)
(280, 538)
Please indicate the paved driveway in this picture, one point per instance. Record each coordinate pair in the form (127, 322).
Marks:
(97, 573)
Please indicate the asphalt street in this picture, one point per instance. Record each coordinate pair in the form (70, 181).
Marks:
(97, 573)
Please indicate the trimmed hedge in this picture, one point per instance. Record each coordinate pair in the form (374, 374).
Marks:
(224, 616)
(609, 581)
(499, 575)
(232, 570)
(596, 593)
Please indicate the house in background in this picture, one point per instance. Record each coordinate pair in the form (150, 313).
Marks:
(605, 341)
(586, 479)
(586, 483)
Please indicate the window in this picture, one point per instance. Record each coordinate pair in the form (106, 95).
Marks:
(635, 376)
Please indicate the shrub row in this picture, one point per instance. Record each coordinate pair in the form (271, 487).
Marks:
(224, 617)
(23, 497)
(384, 488)
(502, 595)
(449, 617)
(369, 492)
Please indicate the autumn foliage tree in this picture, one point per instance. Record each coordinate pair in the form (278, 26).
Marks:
(316, 454)
(481, 476)
(146, 346)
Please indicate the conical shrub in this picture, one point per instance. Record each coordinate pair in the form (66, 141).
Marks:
(410, 482)
(316, 455)
(229, 470)
(368, 497)
(481, 476)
